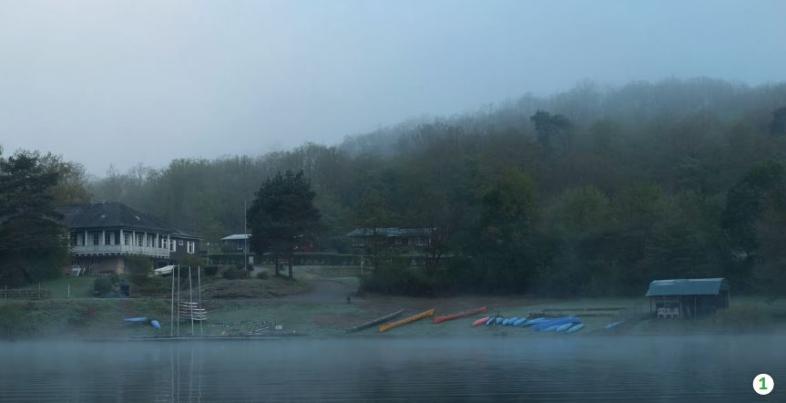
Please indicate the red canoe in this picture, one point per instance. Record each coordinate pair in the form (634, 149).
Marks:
(445, 318)
(481, 321)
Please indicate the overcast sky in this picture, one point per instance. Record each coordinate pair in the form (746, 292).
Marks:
(123, 82)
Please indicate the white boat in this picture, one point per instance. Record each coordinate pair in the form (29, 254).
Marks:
(162, 271)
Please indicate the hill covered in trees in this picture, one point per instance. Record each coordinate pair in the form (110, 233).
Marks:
(591, 191)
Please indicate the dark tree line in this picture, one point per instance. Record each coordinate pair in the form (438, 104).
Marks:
(592, 191)
(33, 240)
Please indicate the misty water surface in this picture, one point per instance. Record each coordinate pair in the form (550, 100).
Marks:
(559, 368)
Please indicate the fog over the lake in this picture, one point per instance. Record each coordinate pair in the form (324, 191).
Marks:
(124, 82)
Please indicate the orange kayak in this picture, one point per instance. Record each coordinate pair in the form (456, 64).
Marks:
(481, 321)
(407, 320)
(445, 318)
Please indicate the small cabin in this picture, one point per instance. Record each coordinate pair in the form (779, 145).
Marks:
(688, 298)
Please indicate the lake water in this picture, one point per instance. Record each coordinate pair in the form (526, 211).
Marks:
(557, 368)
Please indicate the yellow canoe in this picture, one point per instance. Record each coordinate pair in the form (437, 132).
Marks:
(407, 320)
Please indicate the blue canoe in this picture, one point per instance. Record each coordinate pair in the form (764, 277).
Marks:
(575, 328)
(545, 325)
(520, 322)
(138, 319)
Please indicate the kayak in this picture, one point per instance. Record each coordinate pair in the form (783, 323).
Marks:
(545, 325)
(138, 319)
(520, 322)
(491, 321)
(564, 327)
(155, 324)
(575, 328)
(481, 321)
(374, 322)
(532, 322)
(407, 320)
(457, 315)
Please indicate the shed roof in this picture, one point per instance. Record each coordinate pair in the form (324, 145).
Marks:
(691, 286)
(390, 232)
(236, 237)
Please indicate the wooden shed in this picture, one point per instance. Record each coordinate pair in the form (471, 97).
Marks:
(688, 298)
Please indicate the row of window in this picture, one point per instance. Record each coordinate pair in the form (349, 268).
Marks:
(138, 239)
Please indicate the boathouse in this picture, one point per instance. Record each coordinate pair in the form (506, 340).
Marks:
(688, 298)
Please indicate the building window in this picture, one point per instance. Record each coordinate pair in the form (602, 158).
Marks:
(107, 238)
(190, 247)
(96, 237)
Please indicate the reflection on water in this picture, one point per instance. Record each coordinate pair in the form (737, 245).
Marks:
(497, 368)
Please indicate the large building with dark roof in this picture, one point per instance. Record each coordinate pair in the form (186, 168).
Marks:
(103, 234)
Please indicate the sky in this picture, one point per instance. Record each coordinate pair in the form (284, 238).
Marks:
(119, 83)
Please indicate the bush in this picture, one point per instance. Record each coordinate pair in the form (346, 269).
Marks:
(149, 286)
(393, 279)
(102, 286)
(211, 270)
(234, 274)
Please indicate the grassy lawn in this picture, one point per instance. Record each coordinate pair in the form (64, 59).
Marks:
(81, 287)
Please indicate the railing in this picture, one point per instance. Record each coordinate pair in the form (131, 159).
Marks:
(25, 293)
(119, 250)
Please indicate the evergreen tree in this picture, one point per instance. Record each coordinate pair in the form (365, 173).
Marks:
(283, 217)
(33, 240)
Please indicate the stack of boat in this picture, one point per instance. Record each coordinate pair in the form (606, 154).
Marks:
(566, 324)
(192, 311)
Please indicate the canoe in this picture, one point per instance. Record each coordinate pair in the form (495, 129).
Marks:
(138, 319)
(614, 324)
(457, 315)
(499, 321)
(532, 322)
(374, 322)
(407, 320)
(563, 327)
(481, 321)
(492, 320)
(520, 322)
(545, 325)
(575, 328)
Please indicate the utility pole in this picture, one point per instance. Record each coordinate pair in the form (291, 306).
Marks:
(245, 236)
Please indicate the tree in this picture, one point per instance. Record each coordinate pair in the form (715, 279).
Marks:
(283, 217)
(778, 124)
(553, 130)
(33, 240)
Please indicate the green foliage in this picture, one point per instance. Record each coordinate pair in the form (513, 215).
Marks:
(211, 270)
(593, 191)
(32, 238)
(234, 274)
(283, 216)
(103, 286)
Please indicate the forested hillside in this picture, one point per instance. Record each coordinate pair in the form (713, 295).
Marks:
(591, 191)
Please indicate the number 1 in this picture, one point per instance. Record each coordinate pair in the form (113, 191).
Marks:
(763, 382)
